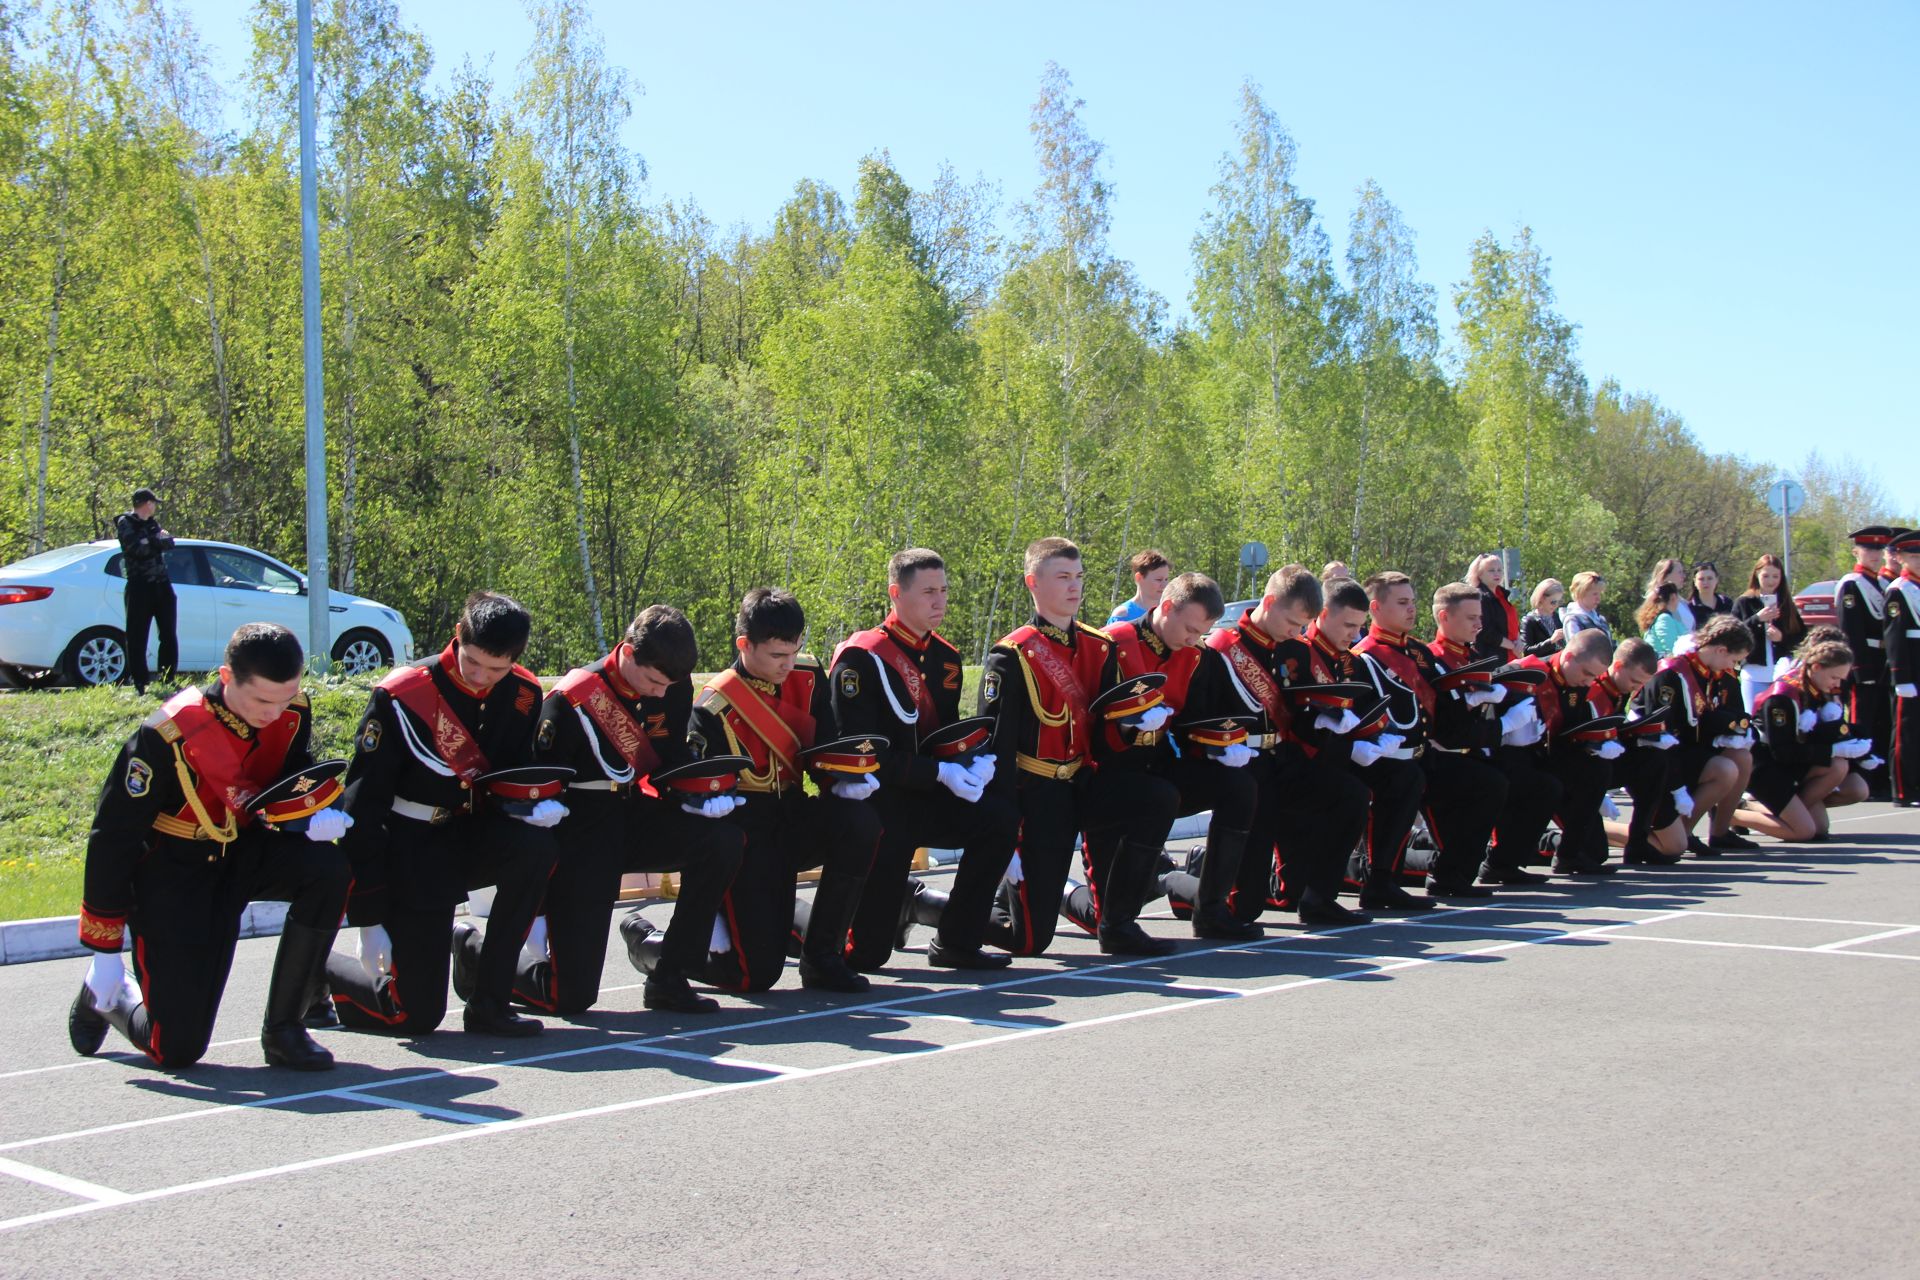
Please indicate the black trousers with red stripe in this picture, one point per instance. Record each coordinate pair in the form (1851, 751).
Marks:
(483, 849)
(1584, 779)
(1903, 766)
(1647, 774)
(1870, 706)
(603, 838)
(1532, 795)
(786, 835)
(187, 922)
(1465, 797)
(1232, 797)
(983, 830)
(1310, 815)
(1125, 815)
(1396, 788)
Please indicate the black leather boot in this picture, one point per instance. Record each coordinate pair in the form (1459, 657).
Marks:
(86, 1026)
(299, 970)
(644, 942)
(321, 1015)
(1320, 909)
(1219, 870)
(490, 1015)
(467, 941)
(823, 964)
(1120, 934)
(672, 993)
(922, 905)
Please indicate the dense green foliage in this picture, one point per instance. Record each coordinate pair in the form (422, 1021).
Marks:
(538, 380)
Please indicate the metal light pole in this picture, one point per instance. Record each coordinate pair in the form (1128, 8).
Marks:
(319, 596)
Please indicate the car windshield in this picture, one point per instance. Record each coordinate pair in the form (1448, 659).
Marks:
(54, 559)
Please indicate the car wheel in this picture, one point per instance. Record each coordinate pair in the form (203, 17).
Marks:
(359, 652)
(95, 657)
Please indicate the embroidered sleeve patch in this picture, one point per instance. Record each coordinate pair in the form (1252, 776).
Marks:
(849, 682)
(990, 687)
(369, 739)
(544, 739)
(697, 743)
(139, 777)
(524, 701)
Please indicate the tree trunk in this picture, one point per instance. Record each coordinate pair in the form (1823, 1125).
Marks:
(1360, 471)
(38, 535)
(573, 398)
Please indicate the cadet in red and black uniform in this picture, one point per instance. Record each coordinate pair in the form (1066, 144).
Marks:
(1210, 775)
(1381, 761)
(1802, 763)
(1462, 739)
(174, 858)
(901, 681)
(1578, 761)
(1902, 649)
(1309, 813)
(1860, 601)
(1653, 836)
(1703, 688)
(424, 834)
(1038, 686)
(1461, 797)
(616, 723)
(772, 706)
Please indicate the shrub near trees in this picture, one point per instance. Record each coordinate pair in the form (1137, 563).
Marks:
(540, 380)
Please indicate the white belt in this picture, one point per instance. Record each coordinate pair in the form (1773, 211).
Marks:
(599, 784)
(1913, 633)
(1263, 741)
(1400, 753)
(1875, 644)
(424, 812)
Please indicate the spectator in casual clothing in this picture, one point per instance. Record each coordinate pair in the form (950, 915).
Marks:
(1335, 571)
(1772, 620)
(1541, 632)
(1150, 570)
(1675, 572)
(1659, 618)
(1584, 614)
(1707, 599)
(149, 600)
(1499, 621)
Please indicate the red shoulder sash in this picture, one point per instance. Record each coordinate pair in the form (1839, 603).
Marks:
(229, 768)
(786, 728)
(414, 689)
(881, 644)
(1249, 674)
(587, 691)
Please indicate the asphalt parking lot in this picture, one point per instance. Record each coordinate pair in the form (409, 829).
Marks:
(1702, 1070)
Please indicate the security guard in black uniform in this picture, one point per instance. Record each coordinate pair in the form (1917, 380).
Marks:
(901, 681)
(425, 832)
(618, 723)
(773, 706)
(150, 601)
(173, 861)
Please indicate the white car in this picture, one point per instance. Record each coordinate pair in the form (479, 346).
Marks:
(65, 611)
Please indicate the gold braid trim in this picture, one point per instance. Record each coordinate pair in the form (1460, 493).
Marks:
(217, 832)
(1033, 695)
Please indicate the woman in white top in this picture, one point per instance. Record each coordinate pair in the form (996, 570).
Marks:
(1584, 613)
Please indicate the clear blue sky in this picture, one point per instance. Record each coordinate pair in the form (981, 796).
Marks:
(1726, 191)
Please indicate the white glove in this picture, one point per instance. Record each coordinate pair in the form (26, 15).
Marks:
(1153, 719)
(849, 790)
(1237, 755)
(982, 769)
(1665, 742)
(106, 977)
(1829, 712)
(1872, 762)
(1015, 872)
(1906, 691)
(1608, 809)
(1852, 748)
(1609, 751)
(328, 824)
(1734, 741)
(1527, 733)
(1345, 722)
(1807, 720)
(1484, 696)
(956, 779)
(720, 941)
(1365, 753)
(714, 806)
(1518, 714)
(376, 951)
(547, 813)
(1389, 742)
(1683, 801)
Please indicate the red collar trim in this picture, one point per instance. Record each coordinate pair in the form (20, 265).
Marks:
(1255, 634)
(1398, 639)
(450, 663)
(1456, 652)
(610, 672)
(901, 632)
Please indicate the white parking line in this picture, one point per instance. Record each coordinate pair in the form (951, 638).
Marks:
(1149, 984)
(999, 1023)
(402, 1104)
(1871, 937)
(710, 1059)
(92, 1192)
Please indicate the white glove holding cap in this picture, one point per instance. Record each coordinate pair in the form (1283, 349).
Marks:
(1365, 753)
(1831, 711)
(714, 806)
(982, 769)
(1807, 720)
(1153, 718)
(1609, 751)
(1345, 722)
(1237, 756)
(547, 813)
(958, 780)
(1482, 697)
(1683, 801)
(1518, 714)
(850, 790)
(1852, 748)
(328, 824)
(1665, 742)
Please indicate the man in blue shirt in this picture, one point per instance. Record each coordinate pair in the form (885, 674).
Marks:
(1150, 572)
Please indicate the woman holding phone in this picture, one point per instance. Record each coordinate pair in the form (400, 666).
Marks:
(1775, 624)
